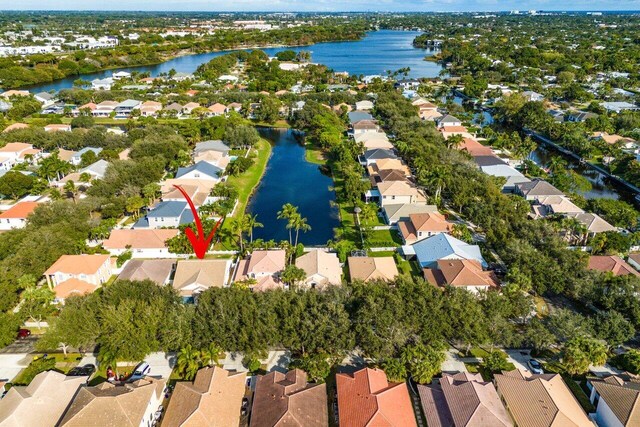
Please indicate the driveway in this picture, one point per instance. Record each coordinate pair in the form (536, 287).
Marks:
(161, 364)
(453, 364)
(519, 358)
(277, 360)
(12, 364)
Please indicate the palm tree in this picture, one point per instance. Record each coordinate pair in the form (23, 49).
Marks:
(238, 226)
(71, 190)
(210, 354)
(188, 362)
(300, 223)
(251, 222)
(288, 212)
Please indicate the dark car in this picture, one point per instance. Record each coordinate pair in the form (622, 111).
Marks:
(23, 333)
(82, 371)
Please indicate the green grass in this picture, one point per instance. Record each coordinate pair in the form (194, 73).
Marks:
(383, 238)
(314, 155)
(278, 124)
(55, 361)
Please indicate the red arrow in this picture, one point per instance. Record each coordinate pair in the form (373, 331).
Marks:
(199, 243)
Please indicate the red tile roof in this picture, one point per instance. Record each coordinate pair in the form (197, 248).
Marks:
(20, 210)
(366, 398)
(613, 264)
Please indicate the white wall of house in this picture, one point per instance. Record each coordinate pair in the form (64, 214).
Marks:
(605, 416)
(152, 407)
(159, 222)
(395, 200)
(10, 223)
(146, 253)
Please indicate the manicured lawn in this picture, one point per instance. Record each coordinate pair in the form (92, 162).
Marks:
(314, 155)
(248, 181)
(55, 361)
(278, 124)
(385, 238)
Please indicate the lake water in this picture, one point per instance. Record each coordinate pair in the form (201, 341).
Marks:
(378, 52)
(289, 178)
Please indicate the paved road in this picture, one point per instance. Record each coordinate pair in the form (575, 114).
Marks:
(22, 346)
(12, 364)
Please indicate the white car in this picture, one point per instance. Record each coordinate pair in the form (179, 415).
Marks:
(142, 370)
(535, 366)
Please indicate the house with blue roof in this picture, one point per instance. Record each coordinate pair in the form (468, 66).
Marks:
(166, 214)
(441, 247)
(200, 170)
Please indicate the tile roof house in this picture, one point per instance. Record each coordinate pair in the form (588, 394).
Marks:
(373, 139)
(197, 189)
(449, 131)
(535, 189)
(195, 276)
(41, 403)
(474, 148)
(462, 400)
(419, 226)
(213, 399)
(129, 405)
(19, 152)
(289, 400)
(373, 156)
(466, 274)
(384, 164)
(395, 192)
(264, 267)
(143, 243)
(449, 120)
(388, 175)
(210, 151)
(611, 264)
(540, 400)
(549, 205)
(57, 128)
(401, 211)
(15, 126)
(322, 268)
(364, 105)
(217, 109)
(443, 247)
(594, 223)
(157, 270)
(16, 216)
(366, 398)
(617, 401)
(634, 260)
(372, 268)
(78, 274)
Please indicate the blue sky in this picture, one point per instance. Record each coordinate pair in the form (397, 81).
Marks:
(320, 5)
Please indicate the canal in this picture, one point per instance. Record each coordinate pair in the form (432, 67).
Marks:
(377, 53)
(289, 178)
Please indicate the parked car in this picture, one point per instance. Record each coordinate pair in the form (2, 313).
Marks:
(142, 370)
(81, 371)
(23, 333)
(535, 366)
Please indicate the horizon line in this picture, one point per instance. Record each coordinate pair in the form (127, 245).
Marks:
(522, 11)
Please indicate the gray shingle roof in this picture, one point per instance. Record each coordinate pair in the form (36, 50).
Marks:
(212, 145)
(203, 167)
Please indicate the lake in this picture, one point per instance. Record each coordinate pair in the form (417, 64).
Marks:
(376, 53)
(289, 178)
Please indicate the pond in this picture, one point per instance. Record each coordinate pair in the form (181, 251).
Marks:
(289, 178)
(376, 53)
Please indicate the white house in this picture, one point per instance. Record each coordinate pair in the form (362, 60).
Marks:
(143, 243)
(102, 84)
(16, 215)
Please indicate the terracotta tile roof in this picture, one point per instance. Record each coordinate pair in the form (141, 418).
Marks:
(271, 261)
(139, 238)
(78, 264)
(450, 129)
(460, 272)
(15, 126)
(383, 164)
(372, 268)
(613, 264)
(433, 222)
(322, 264)
(471, 401)
(399, 188)
(57, 127)
(288, 400)
(217, 108)
(622, 398)
(213, 399)
(156, 270)
(73, 287)
(540, 400)
(15, 147)
(20, 210)
(41, 403)
(474, 148)
(366, 398)
(113, 405)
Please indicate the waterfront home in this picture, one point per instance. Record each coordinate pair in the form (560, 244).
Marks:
(544, 206)
(157, 270)
(42, 402)
(364, 105)
(373, 139)
(200, 170)
(462, 400)
(367, 398)
(125, 108)
(166, 214)
(195, 276)
(611, 264)
(386, 164)
(372, 156)
(617, 107)
(420, 226)
(18, 152)
(150, 108)
(474, 148)
(45, 98)
(395, 192)
(612, 139)
(57, 128)
(16, 216)
(197, 189)
(493, 166)
(142, 243)
(102, 84)
(540, 400)
(428, 111)
(443, 247)
(449, 131)
(213, 151)
(215, 394)
(461, 273)
(104, 109)
(180, 77)
(129, 404)
(217, 109)
(11, 93)
(536, 189)
(78, 274)
(395, 212)
(322, 269)
(388, 175)
(363, 126)
(372, 268)
(119, 75)
(616, 399)
(449, 120)
(263, 267)
(288, 399)
(76, 158)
